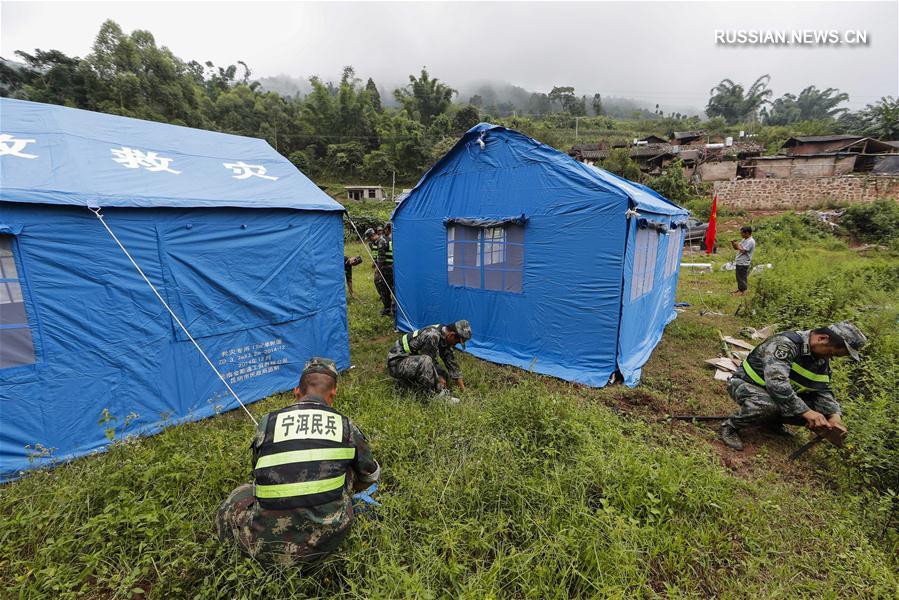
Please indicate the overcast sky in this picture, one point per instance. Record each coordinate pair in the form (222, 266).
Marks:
(653, 51)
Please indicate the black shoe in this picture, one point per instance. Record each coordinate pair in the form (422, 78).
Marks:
(730, 437)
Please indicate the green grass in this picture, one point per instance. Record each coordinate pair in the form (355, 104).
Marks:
(531, 488)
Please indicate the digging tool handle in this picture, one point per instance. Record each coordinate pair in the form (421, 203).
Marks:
(806, 446)
(835, 436)
(700, 417)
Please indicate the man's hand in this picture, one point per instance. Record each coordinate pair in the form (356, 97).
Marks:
(837, 423)
(815, 420)
(442, 382)
(461, 384)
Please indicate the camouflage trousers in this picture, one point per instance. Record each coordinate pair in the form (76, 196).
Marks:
(279, 537)
(757, 407)
(420, 372)
(383, 285)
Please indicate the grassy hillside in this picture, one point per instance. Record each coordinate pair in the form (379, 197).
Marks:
(531, 488)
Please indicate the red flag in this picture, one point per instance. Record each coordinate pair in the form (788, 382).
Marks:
(710, 232)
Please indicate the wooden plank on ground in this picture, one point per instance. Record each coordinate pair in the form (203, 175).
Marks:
(722, 363)
(739, 343)
(721, 375)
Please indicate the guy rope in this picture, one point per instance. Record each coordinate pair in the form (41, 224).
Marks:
(99, 216)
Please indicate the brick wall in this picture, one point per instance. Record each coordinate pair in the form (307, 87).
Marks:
(787, 194)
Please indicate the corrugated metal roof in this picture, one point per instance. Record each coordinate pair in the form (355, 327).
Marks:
(679, 135)
(807, 139)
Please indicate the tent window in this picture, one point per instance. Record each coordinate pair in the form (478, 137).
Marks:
(16, 345)
(647, 249)
(675, 243)
(491, 258)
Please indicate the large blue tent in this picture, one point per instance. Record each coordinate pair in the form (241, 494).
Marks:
(242, 246)
(560, 267)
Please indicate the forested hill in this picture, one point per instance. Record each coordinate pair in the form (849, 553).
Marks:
(354, 129)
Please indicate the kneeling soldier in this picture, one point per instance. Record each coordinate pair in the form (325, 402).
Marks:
(307, 461)
(413, 358)
(786, 380)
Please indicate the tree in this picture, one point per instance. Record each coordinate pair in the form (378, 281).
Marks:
(466, 118)
(578, 107)
(425, 97)
(405, 142)
(736, 104)
(50, 77)
(811, 104)
(441, 126)
(539, 104)
(345, 159)
(504, 109)
(882, 119)
(597, 105)
(130, 75)
(476, 100)
(302, 160)
(671, 183)
(620, 163)
(374, 96)
(377, 166)
(563, 96)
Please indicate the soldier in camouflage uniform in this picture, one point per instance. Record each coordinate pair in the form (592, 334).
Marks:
(384, 261)
(413, 358)
(307, 461)
(786, 380)
(379, 247)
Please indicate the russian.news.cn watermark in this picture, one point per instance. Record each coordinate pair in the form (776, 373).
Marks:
(793, 37)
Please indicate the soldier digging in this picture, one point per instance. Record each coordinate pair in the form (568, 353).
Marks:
(412, 360)
(786, 380)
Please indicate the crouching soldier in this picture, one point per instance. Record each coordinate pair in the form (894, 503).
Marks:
(413, 358)
(786, 380)
(307, 461)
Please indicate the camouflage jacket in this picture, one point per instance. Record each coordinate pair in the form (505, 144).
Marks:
(430, 341)
(383, 252)
(308, 531)
(776, 355)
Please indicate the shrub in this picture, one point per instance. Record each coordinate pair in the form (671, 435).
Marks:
(303, 160)
(671, 183)
(787, 230)
(701, 208)
(377, 166)
(345, 159)
(621, 164)
(877, 222)
(364, 215)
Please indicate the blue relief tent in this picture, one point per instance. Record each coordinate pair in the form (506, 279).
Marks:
(560, 267)
(246, 250)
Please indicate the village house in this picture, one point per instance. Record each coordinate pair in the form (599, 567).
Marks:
(684, 138)
(364, 192)
(702, 161)
(652, 139)
(818, 144)
(825, 156)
